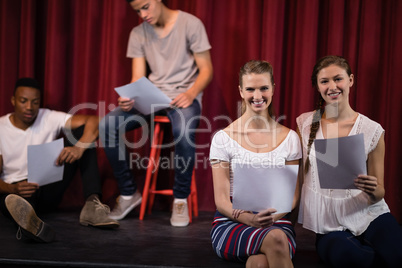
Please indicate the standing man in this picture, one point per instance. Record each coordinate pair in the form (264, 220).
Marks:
(30, 125)
(175, 46)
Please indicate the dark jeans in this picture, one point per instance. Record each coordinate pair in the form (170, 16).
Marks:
(184, 122)
(379, 246)
(48, 197)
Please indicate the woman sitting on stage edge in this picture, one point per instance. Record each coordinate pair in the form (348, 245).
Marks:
(354, 227)
(263, 239)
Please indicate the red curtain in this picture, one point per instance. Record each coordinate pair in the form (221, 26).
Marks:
(76, 49)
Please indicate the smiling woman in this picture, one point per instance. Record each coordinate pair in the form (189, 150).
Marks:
(334, 84)
(257, 92)
(253, 138)
(354, 227)
(254, 83)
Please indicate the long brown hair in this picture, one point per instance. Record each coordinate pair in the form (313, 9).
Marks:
(256, 67)
(321, 64)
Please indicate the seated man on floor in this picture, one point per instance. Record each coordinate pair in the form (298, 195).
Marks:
(31, 125)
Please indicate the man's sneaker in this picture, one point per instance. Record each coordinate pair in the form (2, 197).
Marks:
(180, 216)
(96, 214)
(123, 207)
(29, 223)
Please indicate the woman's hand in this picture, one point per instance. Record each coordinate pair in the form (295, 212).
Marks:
(264, 218)
(369, 184)
(236, 213)
(366, 183)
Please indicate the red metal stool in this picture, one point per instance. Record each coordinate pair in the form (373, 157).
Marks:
(149, 191)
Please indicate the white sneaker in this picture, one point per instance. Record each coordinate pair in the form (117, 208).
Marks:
(123, 206)
(180, 216)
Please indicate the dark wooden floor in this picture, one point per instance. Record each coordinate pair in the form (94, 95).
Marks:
(148, 243)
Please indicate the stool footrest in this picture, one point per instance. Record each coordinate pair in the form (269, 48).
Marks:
(163, 192)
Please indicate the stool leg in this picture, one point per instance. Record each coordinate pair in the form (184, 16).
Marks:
(155, 174)
(189, 205)
(194, 197)
(149, 172)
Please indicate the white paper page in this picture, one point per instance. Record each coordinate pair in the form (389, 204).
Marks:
(147, 97)
(257, 188)
(42, 158)
(340, 161)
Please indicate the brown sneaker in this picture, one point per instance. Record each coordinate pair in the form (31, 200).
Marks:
(30, 225)
(96, 214)
(180, 216)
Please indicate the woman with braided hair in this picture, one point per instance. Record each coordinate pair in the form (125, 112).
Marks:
(354, 227)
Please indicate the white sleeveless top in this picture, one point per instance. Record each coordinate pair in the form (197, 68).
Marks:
(327, 210)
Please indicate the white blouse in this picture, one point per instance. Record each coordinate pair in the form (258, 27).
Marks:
(328, 210)
(224, 148)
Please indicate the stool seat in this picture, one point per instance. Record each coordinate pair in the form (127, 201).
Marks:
(148, 194)
(161, 119)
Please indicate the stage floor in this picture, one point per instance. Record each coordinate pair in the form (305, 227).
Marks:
(148, 243)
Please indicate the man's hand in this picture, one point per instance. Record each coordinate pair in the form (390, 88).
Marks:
(69, 155)
(183, 100)
(125, 104)
(25, 189)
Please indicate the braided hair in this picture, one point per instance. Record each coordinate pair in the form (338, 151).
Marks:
(314, 128)
(315, 125)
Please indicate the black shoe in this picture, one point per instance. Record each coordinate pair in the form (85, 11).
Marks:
(25, 216)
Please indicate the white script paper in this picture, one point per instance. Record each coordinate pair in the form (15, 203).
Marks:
(340, 161)
(258, 187)
(147, 97)
(42, 158)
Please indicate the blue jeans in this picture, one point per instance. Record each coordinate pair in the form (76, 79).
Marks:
(184, 121)
(379, 246)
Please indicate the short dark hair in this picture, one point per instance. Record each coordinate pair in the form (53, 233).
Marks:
(129, 1)
(27, 82)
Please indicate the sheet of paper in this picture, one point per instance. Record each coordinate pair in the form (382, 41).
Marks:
(340, 161)
(42, 158)
(147, 97)
(256, 187)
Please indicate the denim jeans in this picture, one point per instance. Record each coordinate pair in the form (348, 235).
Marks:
(379, 246)
(184, 121)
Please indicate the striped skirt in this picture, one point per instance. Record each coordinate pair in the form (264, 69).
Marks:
(235, 241)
